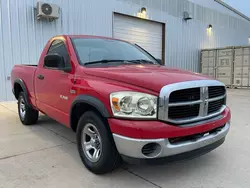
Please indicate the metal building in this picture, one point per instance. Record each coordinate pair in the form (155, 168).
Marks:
(160, 28)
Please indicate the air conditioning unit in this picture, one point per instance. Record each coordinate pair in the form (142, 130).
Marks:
(47, 11)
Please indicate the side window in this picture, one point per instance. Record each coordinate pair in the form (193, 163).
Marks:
(59, 47)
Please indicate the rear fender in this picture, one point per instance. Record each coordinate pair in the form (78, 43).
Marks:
(25, 91)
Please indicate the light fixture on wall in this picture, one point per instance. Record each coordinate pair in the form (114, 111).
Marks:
(210, 26)
(209, 30)
(248, 40)
(143, 10)
(142, 13)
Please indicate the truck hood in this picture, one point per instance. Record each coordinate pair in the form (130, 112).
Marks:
(152, 77)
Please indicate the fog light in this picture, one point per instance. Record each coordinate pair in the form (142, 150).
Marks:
(151, 150)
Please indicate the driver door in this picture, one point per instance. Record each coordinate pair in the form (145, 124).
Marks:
(53, 85)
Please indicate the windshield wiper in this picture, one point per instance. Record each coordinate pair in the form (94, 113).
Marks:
(136, 61)
(104, 61)
(141, 61)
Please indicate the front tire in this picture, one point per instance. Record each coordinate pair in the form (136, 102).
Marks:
(95, 144)
(27, 115)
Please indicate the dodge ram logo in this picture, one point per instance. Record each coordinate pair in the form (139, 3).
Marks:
(205, 101)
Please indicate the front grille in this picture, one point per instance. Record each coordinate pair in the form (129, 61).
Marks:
(216, 91)
(185, 95)
(181, 104)
(188, 111)
(215, 106)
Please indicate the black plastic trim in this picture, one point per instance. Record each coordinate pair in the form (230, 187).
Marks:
(92, 101)
(175, 158)
(25, 91)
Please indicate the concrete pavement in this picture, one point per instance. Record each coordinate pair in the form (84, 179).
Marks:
(45, 155)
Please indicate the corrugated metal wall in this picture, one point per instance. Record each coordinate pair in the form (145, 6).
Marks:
(22, 37)
(184, 40)
(212, 4)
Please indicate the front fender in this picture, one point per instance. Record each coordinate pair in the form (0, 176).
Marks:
(92, 101)
(87, 100)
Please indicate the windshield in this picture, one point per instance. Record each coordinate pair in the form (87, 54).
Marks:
(96, 50)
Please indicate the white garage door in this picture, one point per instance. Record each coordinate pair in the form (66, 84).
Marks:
(146, 34)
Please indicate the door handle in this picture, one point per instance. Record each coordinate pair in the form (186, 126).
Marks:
(41, 77)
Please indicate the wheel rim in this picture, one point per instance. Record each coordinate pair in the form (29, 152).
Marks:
(91, 142)
(22, 108)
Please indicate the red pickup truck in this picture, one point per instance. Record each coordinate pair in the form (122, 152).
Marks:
(122, 103)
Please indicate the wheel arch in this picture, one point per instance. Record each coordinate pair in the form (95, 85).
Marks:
(18, 87)
(83, 103)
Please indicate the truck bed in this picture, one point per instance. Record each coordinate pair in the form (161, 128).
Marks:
(26, 73)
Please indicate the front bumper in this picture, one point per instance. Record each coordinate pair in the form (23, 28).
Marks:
(179, 157)
(157, 129)
(131, 147)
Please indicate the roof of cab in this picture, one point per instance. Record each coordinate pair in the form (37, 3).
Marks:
(91, 36)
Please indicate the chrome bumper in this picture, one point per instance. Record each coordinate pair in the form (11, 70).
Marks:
(133, 147)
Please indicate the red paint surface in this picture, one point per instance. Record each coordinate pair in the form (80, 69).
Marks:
(156, 129)
(99, 83)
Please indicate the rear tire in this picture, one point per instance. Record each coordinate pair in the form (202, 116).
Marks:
(27, 114)
(107, 157)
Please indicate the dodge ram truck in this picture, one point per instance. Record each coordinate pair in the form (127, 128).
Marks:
(121, 102)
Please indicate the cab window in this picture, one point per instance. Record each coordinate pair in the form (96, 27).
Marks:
(58, 46)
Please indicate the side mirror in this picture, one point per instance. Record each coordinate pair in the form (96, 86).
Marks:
(67, 69)
(160, 61)
(56, 61)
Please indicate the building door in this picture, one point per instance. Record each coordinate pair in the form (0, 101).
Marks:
(145, 33)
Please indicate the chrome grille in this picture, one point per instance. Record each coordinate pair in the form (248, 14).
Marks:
(216, 91)
(185, 95)
(191, 101)
(187, 111)
(215, 106)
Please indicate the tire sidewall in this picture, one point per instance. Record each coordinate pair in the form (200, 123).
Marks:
(108, 149)
(31, 115)
(21, 96)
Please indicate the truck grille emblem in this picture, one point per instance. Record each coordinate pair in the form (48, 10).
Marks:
(204, 105)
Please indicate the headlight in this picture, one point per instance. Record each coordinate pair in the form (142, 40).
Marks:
(133, 105)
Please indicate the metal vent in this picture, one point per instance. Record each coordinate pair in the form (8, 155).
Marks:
(187, 16)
